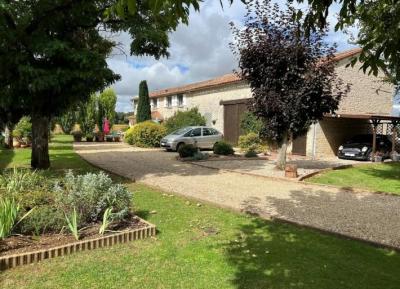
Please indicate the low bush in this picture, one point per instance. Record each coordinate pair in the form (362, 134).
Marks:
(251, 142)
(91, 194)
(23, 130)
(145, 134)
(43, 219)
(223, 148)
(187, 150)
(182, 119)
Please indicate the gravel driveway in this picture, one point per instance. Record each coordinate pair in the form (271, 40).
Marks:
(372, 217)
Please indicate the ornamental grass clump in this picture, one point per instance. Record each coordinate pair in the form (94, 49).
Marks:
(19, 180)
(9, 211)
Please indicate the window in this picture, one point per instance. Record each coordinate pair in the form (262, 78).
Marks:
(209, 131)
(180, 99)
(194, 132)
(169, 101)
(155, 103)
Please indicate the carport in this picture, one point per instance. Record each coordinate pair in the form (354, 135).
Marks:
(374, 124)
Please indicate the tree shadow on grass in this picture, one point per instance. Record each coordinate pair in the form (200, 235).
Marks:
(269, 254)
(6, 157)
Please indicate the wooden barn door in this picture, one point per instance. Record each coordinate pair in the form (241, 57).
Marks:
(232, 115)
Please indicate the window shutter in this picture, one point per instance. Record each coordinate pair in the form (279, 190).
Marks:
(165, 101)
(175, 100)
(184, 100)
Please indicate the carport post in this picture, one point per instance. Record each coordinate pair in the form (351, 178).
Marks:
(375, 123)
(394, 134)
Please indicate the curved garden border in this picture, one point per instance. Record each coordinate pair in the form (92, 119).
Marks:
(7, 262)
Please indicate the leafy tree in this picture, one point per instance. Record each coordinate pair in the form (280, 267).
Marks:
(106, 102)
(122, 117)
(68, 120)
(53, 54)
(88, 115)
(181, 119)
(379, 30)
(143, 108)
(291, 75)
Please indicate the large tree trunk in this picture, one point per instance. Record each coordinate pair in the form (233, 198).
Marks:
(40, 142)
(9, 136)
(281, 158)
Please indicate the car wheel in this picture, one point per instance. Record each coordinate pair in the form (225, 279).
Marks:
(369, 157)
(213, 148)
(179, 146)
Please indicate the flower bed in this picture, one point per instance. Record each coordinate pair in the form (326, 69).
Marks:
(39, 214)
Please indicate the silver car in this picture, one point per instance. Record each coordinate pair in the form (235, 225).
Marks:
(200, 136)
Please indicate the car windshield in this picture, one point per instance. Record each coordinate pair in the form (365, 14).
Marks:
(181, 131)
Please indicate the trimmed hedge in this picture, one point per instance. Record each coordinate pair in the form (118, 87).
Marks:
(223, 148)
(145, 134)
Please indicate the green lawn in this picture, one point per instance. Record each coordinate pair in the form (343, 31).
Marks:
(376, 177)
(209, 247)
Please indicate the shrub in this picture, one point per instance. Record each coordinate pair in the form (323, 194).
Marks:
(182, 119)
(43, 219)
(250, 123)
(91, 194)
(223, 148)
(23, 129)
(187, 150)
(2, 140)
(145, 134)
(250, 154)
(251, 141)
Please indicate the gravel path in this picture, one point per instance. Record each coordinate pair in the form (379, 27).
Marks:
(372, 217)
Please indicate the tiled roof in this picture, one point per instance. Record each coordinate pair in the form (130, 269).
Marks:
(229, 79)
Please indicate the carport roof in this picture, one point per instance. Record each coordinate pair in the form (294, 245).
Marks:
(378, 117)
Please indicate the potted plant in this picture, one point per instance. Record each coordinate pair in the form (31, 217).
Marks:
(77, 134)
(99, 136)
(378, 157)
(89, 137)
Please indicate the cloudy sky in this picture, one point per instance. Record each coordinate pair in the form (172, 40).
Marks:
(198, 51)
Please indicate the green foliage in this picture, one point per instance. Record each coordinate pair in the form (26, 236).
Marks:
(72, 222)
(250, 123)
(88, 115)
(43, 219)
(145, 134)
(91, 194)
(19, 180)
(67, 120)
(143, 108)
(107, 219)
(250, 154)
(9, 210)
(106, 103)
(182, 119)
(253, 142)
(223, 148)
(187, 150)
(23, 129)
(122, 118)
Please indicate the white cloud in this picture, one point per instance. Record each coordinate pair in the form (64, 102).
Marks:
(199, 51)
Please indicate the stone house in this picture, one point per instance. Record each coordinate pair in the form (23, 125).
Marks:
(222, 101)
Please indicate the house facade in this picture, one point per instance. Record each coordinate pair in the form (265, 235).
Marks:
(223, 100)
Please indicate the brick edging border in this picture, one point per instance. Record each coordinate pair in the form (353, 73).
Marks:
(7, 262)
